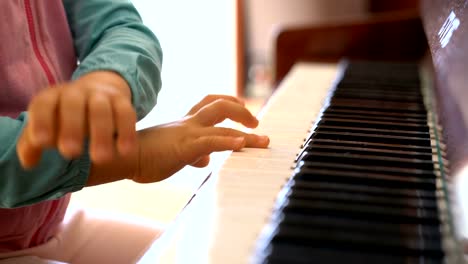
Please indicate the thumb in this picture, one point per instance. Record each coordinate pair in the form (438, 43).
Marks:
(28, 154)
(202, 162)
(209, 144)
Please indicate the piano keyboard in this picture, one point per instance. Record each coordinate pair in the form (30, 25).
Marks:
(365, 184)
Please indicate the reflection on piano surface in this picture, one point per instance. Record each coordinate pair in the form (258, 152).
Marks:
(360, 169)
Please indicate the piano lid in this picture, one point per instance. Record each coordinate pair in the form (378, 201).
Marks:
(446, 23)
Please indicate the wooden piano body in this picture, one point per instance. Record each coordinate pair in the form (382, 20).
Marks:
(229, 215)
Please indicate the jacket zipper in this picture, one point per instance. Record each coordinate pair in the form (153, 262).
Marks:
(37, 52)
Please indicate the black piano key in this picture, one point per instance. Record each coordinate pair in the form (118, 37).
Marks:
(385, 139)
(405, 107)
(349, 147)
(360, 159)
(287, 254)
(386, 89)
(407, 215)
(370, 72)
(403, 84)
(367, 179)
(403, 69)
(375, 95)
(403, 79)
(369, 151)
(385, 125)
(328, 143)
(395, 94)
(363, 144)
(403, 191)
(362, 73)
(378, 85)
(363, 198)
(372, 131)
(325, 126)
(372, 116)
(344, 111)
(389, 214)
(358, 241)
(409, 172)
(416, 230)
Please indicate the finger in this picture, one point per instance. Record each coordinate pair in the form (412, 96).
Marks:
(28, 154)
(206, 145)
(257, 141)
(220, 110)
(202, 162)
(251, 140)
(211, 98)
(42, 118)
(101, 128)
(125, 121)
(72, 118)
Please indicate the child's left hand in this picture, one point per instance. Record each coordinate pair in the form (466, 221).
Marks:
(97, 106)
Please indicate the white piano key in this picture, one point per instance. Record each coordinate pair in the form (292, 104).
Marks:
(234, 213)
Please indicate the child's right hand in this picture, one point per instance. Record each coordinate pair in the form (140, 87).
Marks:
(96, 106)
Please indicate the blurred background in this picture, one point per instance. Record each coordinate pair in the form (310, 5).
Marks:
(214, 46)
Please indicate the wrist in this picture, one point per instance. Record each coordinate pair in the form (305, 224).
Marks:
(107, 80)
(120, 168)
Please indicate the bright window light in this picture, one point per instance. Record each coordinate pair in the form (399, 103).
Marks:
(198, 42)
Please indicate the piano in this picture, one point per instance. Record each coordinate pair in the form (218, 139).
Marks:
(368, 163)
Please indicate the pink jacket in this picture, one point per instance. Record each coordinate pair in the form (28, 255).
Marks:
(36, 50)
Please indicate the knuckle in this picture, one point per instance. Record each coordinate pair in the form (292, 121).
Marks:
(207, 98)
(97, 102)
(223, 131)
(232, 132)
(206, 146)
(41, 100)
(124, 109)
(220, 105)
(210, 98)
(124, 104)
(70, 91)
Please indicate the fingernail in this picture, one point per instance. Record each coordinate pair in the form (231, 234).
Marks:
(240, 140)
(264, 139)
(254, 123)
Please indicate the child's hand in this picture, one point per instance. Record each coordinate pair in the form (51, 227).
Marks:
(165, 149)
(97, 106)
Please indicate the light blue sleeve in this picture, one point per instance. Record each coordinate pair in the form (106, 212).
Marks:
(52, 178)
(110, 35)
